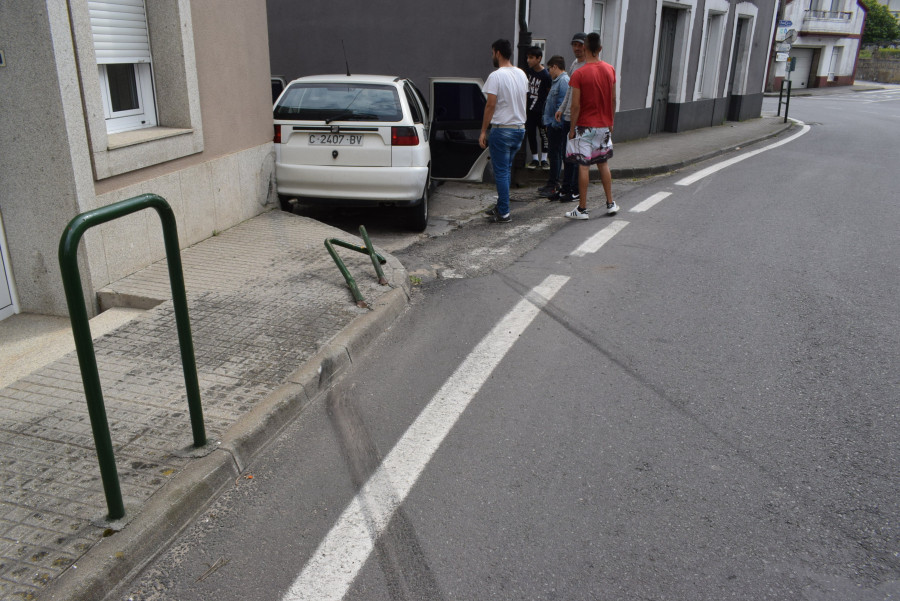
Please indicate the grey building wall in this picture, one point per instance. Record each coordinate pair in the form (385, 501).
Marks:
(39, 182)
(555, 22)
(440, 38)
(409, 38)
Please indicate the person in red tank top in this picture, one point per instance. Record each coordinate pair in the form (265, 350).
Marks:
(593, 114)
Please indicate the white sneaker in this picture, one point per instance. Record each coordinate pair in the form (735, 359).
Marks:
(577, 213)
(612, 209)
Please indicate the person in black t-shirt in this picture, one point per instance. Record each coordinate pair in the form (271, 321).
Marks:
(539, 82)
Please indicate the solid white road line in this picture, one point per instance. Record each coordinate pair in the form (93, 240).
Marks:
(650, 202)
(593, 244)
(335, 564)
(718, 166)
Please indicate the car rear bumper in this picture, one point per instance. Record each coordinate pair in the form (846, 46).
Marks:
(359, 185)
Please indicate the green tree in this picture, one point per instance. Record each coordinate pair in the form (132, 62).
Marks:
(881, 25)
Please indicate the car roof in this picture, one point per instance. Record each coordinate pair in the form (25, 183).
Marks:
(344, 78)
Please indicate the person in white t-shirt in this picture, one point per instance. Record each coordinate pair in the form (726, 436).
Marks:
(506, 89)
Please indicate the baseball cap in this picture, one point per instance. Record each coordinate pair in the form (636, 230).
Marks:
(579, 37)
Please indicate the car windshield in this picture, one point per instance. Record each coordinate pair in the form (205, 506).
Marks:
(339, 102)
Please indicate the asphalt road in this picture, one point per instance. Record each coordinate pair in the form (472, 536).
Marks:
(704, 407)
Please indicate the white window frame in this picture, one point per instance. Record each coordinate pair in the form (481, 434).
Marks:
(710, 66)
(613, 35)
(837, 53)
(744, 10)
(121, 36)
(144, 115)
(592, 27)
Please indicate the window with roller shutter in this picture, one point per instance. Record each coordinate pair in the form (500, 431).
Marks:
(122, 48)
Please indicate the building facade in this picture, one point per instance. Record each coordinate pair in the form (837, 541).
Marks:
(681, 64)
(823, 39)
(103, 101)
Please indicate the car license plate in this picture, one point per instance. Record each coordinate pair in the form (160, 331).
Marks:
(335, 139)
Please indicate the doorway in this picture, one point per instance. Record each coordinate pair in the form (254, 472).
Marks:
(665, 53)
(8, 305)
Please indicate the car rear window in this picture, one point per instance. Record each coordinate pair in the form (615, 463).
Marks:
(340, 102)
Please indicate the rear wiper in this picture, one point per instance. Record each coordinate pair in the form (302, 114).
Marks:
(339, 116)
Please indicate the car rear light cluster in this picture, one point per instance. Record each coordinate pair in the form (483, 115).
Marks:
(277, 138)
(404, 136)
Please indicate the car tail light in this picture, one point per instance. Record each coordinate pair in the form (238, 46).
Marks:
(277, 138)
(404, 136)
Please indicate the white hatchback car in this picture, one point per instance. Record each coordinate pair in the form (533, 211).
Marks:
(371, 140)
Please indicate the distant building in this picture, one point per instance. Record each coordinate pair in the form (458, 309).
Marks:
(681, 64)
(893, 6)
(105, 101)
(823, 38)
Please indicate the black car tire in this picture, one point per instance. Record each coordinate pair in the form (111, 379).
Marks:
(285, 203)
(418, 215)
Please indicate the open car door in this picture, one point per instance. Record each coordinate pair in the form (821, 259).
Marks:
(456, 111)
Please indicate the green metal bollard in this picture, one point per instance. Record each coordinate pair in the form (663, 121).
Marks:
(377, 260)
(84, 345)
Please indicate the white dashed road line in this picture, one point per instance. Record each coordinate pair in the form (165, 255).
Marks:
(593, 244)
(336, 562)
(687, 181)
(650, 202)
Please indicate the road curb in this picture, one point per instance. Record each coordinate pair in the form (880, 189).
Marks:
(116, 559)
(639, 172)
(660, 169)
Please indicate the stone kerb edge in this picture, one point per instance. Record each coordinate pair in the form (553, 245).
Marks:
(163, 517)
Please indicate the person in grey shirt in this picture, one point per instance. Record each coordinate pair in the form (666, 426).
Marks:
(568, 189)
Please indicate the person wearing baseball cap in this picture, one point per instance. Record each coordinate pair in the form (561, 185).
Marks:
(568, 189)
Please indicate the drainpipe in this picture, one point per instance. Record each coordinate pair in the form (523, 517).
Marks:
(524, 35)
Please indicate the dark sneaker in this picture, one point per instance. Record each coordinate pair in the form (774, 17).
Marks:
(492, 212)
(502, 218)
(545, 190)
(555, 196)
(549, 192)
(533, 165)
(570, 197)
(545, 165)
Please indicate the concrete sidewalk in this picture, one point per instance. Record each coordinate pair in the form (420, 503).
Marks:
(273, 323)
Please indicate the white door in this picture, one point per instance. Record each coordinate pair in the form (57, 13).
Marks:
(7, 296)
(800, 76)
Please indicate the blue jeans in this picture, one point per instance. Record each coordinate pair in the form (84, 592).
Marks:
(504, 144)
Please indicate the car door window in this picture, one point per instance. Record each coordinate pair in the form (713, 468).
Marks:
(414, 106)
(421, 98)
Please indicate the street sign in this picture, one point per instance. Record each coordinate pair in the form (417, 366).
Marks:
(785, 23)
(783, 47)
(781, 57)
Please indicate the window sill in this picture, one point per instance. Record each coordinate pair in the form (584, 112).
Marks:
(129, 151)
(139, 136)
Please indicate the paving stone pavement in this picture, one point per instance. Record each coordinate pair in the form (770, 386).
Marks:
(263, 297)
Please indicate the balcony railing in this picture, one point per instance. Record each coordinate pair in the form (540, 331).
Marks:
(828, 14)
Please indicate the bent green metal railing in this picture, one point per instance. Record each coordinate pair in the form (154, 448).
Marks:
(84, 345)
(377, 261)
